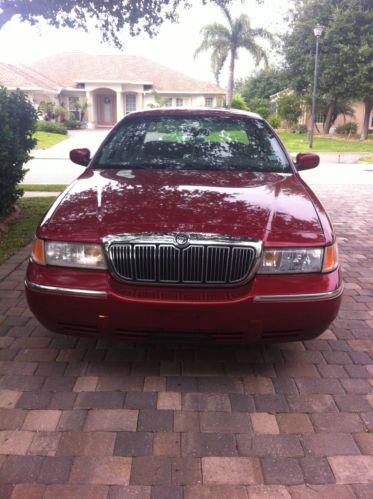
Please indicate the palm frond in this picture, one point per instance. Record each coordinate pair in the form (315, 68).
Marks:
(214, 35)
(227, 14)
(218, 59)
(255, 50)
(225, 40)
(263, 33)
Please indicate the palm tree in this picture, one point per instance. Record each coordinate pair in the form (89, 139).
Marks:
(225, 41)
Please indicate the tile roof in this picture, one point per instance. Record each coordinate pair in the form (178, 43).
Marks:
(20, 76)
(69, 67)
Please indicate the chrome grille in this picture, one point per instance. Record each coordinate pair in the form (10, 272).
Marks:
(204, 260)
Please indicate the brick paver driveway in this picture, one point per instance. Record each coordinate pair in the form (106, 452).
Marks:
(92, 419)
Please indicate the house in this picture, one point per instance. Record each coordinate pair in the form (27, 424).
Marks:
(357, 108)
(111, 86)
(37, 86)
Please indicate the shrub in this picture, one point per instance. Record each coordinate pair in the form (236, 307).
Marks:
(17, 126)
(274, 120)
(260, 106)
(347, 129)
(46, 110)
(61, 114)
(51, 127)
(300, 128)
(239, 103)
(73, 124)
(263, 111)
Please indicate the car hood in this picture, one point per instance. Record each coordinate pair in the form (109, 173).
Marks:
(274, 208)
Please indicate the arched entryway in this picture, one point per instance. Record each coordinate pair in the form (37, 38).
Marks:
(106, 107)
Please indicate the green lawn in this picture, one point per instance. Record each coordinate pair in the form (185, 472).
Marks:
(42, 187)
(22, 229)
(299, 143)
(293, 142)
(366, 159)
(47, 139)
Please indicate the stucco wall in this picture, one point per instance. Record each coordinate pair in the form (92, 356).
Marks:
(358, 108)
(144, 100)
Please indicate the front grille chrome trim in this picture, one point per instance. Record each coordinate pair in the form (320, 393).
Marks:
(301, 297)
(65, 291)
(182, 259)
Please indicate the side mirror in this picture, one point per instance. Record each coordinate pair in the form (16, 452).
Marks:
(80, 156)
(306, 161)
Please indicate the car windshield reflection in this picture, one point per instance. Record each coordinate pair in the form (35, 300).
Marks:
(202, 142)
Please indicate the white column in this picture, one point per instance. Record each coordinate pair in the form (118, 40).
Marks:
(91, 110)
(140, 101)
(120, 106)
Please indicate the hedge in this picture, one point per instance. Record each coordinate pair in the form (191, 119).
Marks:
(17, 126)
(51, 127)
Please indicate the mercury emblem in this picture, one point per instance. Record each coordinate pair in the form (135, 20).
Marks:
(181, 239)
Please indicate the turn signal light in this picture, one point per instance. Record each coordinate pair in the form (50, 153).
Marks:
(330, 258)
(37, 253)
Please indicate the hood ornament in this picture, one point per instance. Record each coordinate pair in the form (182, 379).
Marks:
(181, 240)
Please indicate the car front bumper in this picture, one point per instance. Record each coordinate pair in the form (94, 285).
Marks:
(274, 308)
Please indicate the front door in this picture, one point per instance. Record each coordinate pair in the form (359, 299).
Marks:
(106, 109)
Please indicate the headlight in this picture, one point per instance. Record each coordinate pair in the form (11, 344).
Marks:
(299, 260)
(88, 256)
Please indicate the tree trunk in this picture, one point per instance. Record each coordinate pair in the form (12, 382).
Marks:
(231, 79)
(368, 105)
(330, 118)
(6, 15)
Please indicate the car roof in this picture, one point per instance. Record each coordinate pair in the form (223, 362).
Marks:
(197, 111)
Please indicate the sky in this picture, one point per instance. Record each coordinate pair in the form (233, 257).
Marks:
(174, 46)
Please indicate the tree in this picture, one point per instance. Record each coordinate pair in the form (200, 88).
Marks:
(289, 108)
(109, 16)
(262, 85)
(260, 106)
(346, 53)
(17, 126)
(226, 41)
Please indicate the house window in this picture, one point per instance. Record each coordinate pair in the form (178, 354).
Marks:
(320, 118)
(74, 108)
(168, 102)
(130, 103)
(179, 102)
(208, 101)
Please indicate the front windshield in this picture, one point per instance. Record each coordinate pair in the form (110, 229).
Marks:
(192, 143)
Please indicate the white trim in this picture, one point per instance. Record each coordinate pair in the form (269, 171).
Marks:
(188, 92)
(115, 81)
(72, 89)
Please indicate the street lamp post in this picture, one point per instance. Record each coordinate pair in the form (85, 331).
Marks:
(318, 32)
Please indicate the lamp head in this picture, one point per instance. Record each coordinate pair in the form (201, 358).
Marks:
(318, 30)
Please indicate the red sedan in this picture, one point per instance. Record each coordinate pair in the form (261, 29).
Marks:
(190, 224)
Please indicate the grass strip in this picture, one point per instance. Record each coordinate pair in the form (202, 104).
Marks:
(42, 187)
(299, 143)
(21, 230)
(366, 159)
